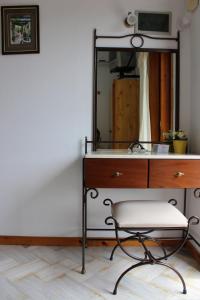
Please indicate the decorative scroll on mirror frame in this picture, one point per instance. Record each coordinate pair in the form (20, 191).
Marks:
(136, 43)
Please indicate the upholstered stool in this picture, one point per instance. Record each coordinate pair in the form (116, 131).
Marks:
(139, 219)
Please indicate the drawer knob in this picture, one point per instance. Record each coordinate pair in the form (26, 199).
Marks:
(117, 174)
(179, 174)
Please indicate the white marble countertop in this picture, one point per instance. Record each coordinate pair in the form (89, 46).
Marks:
(110, 153)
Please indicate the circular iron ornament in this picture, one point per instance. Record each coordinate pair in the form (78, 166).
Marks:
(93, 193)
(194, 220)
(110, 221)
(137, 41)
(107, 202)
(173, 202)
(197, 193)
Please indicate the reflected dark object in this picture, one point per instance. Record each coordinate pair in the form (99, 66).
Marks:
(135, 145)
(126, 62)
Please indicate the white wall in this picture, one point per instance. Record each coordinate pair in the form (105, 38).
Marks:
(194, 207)
(46, 110)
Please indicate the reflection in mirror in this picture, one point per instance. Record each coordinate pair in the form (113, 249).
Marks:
(135, 95)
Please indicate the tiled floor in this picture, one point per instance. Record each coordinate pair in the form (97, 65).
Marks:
(53, 273)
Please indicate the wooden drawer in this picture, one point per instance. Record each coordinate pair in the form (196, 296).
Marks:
(174, 173)
(115, 173)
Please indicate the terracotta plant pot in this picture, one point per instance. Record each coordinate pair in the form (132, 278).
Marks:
(180, 146)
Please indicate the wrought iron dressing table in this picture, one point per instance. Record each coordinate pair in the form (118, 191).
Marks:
(114, 169)
(117, 169)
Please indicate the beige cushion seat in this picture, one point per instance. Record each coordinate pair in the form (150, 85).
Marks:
(148, 213)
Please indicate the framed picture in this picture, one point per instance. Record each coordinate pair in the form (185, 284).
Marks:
(20, 29)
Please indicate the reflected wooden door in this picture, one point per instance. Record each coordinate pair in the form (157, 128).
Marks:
(125, 111)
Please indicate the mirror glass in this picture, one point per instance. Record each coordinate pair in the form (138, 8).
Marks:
(135, 95)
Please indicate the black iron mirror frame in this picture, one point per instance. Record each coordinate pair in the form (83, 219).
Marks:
(139, 48)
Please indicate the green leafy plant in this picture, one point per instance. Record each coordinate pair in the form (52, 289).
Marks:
(171, 135)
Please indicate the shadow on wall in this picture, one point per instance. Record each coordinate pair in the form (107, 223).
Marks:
(54, 209)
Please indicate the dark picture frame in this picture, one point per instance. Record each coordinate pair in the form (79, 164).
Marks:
(153, 22)
(20, 29)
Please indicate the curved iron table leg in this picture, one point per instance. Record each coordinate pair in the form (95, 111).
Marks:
(113, 251)
(121, 241)
(179, 275)
(159, 245)
(125, 272)
(149, 263)
(83, 271)
(126, 239)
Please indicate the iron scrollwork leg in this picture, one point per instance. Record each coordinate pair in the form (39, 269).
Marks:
(125, 272)
(121, 241)
(149, 257)
(83, 230)
(93, 194)
(179, 275)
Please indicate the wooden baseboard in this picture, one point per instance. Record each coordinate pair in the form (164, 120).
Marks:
(71, 241)
(98, 242)
(92, 242)
(40, 241)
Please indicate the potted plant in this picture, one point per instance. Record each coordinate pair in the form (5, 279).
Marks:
(178, 139)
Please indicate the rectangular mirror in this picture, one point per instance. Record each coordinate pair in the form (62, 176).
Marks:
(136, 95)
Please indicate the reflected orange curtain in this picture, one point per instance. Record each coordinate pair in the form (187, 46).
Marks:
(160, 93)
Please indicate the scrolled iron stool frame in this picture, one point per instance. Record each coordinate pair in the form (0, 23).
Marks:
(142, 237)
